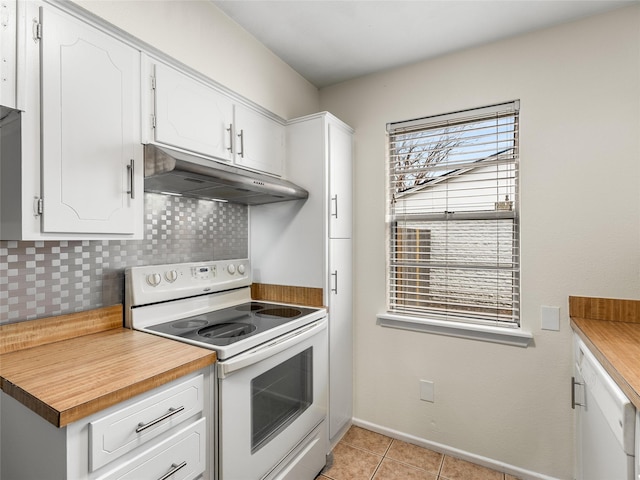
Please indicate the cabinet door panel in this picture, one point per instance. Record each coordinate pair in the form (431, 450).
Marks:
(340, 183)
(259, 141)
(191, 115)
(8, 59)
(89, 128)
(340, 335)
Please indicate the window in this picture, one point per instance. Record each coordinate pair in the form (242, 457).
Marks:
(453, 217)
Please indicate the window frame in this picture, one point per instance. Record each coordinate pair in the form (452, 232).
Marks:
(469, 324)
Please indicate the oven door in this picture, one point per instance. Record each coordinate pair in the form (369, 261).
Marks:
(270, 399)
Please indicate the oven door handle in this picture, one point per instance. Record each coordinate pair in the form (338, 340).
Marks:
(263, 352)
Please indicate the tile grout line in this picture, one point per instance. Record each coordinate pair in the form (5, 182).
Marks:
(384, 455)
(441, 466)
(377, 468)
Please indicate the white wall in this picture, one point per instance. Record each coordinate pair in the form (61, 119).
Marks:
(199, 35)
(579, 86)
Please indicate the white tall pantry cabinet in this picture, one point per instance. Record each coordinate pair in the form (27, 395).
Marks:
(308, 244)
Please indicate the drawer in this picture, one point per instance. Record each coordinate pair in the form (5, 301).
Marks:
(120, 432)
(182, 456)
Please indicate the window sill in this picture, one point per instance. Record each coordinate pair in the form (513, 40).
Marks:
(485, 333)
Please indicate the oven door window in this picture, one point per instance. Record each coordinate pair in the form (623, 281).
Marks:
(279, 396)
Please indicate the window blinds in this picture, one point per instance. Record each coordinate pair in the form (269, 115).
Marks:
(453, 216)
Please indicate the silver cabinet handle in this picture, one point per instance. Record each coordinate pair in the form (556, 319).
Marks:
(573, 393)
(334, 200)
(241, 135)
(131, 171)
(172, 411)
(335, 282)
(230, 130)
(174, 469)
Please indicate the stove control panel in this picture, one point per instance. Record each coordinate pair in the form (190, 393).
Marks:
(204, 272)
(157, 283)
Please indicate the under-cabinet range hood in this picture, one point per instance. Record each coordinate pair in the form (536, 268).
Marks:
(173, 172)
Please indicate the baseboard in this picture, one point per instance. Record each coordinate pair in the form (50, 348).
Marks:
(454, 452)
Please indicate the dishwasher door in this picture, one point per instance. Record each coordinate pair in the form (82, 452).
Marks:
(605, 422)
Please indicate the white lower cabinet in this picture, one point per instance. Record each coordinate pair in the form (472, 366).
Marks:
(111, 436)
(340, 335)
(164, 433)
(637, 446)
(181, 456)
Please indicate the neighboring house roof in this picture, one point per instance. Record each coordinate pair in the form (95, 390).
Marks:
(426, 183)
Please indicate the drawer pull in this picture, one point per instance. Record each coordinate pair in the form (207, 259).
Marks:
(174, 469)
(172, 411)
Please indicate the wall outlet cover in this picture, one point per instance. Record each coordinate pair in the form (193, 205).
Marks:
(550, 318)
(427, 391)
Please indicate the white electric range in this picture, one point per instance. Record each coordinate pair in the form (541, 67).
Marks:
(270, 413)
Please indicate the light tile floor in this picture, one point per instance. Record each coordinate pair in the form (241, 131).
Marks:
(366, 455)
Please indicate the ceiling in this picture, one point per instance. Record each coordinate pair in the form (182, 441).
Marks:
(329, 41)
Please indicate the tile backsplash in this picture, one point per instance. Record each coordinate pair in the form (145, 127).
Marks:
(46, 278)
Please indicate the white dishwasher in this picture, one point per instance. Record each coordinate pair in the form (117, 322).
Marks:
(605, 422)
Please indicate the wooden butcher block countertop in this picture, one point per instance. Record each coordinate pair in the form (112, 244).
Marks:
(68, 367)
(611, 330)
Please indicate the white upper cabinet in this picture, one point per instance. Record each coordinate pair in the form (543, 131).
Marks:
(91, 155)
(340, 182)
(192, 115)
(8, 57)
(187, 113)
(260, 141)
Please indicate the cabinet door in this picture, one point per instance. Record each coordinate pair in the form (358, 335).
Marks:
(191, 115)
(340, 335)
(340, 182)
(90, 129)
(8, 48)
(259, 141)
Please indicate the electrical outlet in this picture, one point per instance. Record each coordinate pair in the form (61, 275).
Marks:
(427, 391)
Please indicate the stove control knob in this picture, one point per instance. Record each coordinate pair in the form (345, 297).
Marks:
(231, 269)
(241, 269)
(154, 279)
(171, 276)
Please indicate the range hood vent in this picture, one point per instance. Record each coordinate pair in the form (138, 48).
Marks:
(173, 172)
